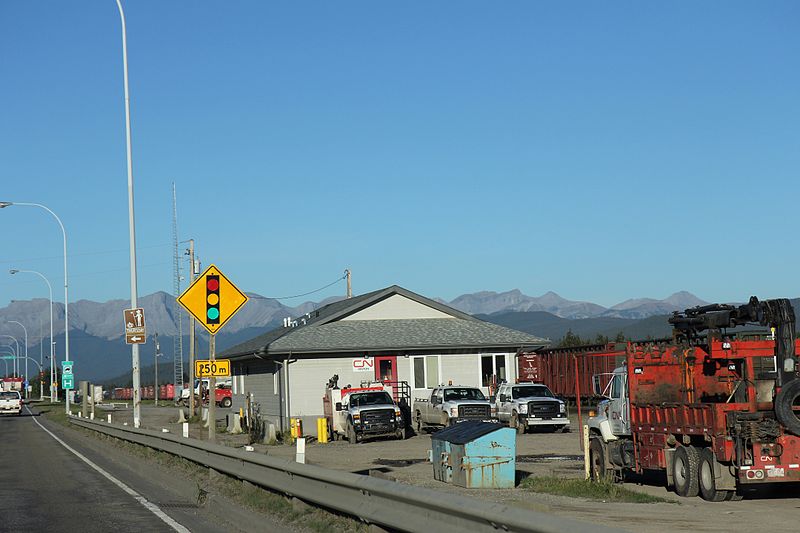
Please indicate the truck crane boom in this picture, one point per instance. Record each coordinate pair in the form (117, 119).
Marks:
(778, 314)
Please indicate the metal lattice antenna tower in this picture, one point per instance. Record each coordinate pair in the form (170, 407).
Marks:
(177, 345)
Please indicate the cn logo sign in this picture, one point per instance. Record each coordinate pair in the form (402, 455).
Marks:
(363, 365)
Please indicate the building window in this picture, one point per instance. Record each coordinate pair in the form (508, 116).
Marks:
(432, 371)
(493, 369)
(419, 372)
(426, 372)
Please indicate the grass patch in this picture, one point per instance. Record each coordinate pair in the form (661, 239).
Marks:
(580, 488)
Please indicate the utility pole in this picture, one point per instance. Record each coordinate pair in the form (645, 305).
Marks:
(349, 285)
(193, 272)
(155, 384)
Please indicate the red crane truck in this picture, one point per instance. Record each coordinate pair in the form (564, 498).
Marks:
(714, 412)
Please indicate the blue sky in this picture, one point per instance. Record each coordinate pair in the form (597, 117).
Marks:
(601, 150)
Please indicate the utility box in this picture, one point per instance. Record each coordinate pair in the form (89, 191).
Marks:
(475, 455)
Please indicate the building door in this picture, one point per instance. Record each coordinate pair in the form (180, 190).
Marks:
(386, 371)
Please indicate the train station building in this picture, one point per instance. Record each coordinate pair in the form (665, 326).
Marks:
(390, 335)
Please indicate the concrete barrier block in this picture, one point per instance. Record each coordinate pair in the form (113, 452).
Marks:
(236, 426)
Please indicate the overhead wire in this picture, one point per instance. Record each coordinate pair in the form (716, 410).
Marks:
(301, 295)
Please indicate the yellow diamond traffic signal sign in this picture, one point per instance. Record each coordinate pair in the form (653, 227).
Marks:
(212, 299)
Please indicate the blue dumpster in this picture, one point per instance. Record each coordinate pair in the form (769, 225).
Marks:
(475, 455)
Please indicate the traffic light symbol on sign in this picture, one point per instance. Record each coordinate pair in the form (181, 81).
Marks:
(212, 299)
(203, 299)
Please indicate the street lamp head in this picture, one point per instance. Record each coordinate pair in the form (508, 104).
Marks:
(5, 204)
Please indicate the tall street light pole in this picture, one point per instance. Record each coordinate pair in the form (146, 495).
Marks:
(131, 221)
(52, 359)
(155, 379)
(16, 353)
(26, 352)
(66, 280)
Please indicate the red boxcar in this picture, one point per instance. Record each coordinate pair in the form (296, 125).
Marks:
(555, 367)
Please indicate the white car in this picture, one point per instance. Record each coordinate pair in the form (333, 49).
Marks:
(10, 403)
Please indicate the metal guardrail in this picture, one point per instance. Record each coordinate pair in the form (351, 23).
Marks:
(376, 501)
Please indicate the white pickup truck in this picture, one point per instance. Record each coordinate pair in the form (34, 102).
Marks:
(10, 403)
(448, 405)
(529, 405)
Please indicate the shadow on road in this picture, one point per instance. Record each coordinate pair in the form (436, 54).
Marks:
(765, 491)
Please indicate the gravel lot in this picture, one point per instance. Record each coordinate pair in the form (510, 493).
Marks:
(538, 454)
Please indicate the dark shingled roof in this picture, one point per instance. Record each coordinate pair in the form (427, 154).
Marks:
(323, 331)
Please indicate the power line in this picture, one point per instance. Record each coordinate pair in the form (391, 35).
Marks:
(300, 295)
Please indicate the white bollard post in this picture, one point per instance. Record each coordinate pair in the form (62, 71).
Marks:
(109, 418)
(186, 430)
(300, 456)
(586, 465)
(91, 415)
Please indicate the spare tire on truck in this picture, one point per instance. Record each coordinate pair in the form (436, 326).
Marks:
(787, 406)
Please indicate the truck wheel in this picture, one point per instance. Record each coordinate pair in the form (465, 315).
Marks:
(515, 423)
(598, 471)
(401, 434)
(708, 485)
(566, 429)
(786, 404)
(352, 437)
(226, 402)
(685, 466)
(734, 496)
(418, 420)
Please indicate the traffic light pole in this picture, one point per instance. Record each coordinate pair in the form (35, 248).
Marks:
(212, 391)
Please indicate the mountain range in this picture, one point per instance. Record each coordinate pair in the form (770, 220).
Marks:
(96, 327)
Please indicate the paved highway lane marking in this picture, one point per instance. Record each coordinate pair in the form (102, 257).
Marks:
(153, 508)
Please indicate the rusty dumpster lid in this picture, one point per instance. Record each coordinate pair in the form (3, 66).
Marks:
(465, 432)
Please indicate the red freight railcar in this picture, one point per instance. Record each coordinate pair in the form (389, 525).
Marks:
(555, 367)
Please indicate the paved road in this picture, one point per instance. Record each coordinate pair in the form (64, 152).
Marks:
(45, 487)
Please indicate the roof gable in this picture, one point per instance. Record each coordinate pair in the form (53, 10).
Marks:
(397, 307)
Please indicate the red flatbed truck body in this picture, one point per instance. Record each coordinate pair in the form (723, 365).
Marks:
(719, 395)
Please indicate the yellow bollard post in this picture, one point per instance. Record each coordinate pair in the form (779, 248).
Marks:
(293, 427)
(322, 430)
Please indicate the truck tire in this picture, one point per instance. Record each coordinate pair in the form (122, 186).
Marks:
(352, 436)
(685, 467)
(226, 402)
(418, 419)
(785, 402)
(598, 468)
(516, 423)
(708, 485)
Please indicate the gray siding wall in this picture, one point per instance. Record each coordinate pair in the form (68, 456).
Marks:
(259, 380)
